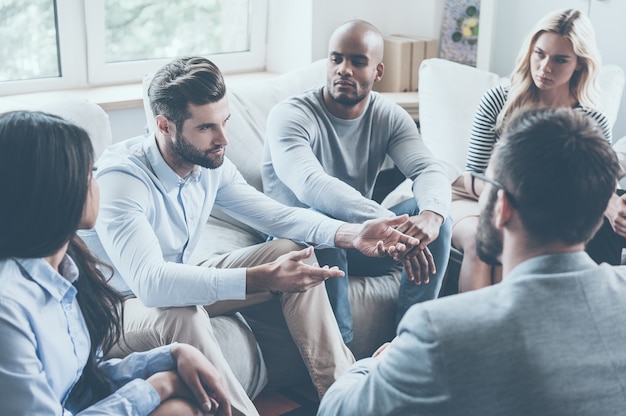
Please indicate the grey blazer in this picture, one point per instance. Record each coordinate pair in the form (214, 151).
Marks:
(549, 340)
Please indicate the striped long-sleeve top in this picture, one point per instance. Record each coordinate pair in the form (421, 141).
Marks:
(484, 136)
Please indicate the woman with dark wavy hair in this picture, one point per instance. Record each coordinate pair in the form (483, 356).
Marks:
(58, 315)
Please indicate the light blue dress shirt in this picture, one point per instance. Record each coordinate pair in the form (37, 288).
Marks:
(150, 221)
(45, 345)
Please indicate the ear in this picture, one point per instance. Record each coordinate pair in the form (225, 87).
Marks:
(380, 70)
(503, 210)
(163, 124)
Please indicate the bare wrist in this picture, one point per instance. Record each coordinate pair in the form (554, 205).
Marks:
(344, 237)
(163, 384)
(432, 216)
(255, 278)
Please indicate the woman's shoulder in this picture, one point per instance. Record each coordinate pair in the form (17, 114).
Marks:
(493, 100)
(599, 117)
(499, 92)
(17, 287)
(592, 112)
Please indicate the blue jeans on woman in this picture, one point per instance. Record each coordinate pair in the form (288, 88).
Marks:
(361, 265)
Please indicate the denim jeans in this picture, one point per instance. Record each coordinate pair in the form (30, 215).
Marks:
(361, 265)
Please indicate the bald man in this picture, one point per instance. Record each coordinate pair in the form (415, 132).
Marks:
(324, 150)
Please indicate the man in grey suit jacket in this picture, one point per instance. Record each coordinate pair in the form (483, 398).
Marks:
(549, 339)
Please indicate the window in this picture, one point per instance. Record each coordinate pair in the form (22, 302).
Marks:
(80, 43)
(19, 61)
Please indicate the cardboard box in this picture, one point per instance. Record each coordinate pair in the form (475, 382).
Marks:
(421, 48)
(397, 61)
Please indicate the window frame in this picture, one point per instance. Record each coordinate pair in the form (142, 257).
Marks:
(100, 72)
(82, 53)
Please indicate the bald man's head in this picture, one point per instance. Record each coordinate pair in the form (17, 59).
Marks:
(355, 54)
(362, 31)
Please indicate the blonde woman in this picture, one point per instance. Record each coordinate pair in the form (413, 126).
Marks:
(557, 66)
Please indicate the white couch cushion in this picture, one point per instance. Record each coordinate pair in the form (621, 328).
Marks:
(449, 94)
(74, 108)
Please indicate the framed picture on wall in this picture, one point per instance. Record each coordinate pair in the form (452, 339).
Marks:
(459, 31)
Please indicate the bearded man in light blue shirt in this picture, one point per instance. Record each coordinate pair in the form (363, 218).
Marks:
(156, 194)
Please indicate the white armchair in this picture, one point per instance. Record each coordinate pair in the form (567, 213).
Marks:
(449, 94)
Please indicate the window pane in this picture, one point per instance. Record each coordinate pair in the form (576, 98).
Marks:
(29, 40)
(158, 29)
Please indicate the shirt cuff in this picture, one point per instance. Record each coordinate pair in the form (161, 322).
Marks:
(141, 396)
(436, 207)
(161, 358)
(231, 284)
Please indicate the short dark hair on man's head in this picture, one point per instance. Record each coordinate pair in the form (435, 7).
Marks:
(194, 80)
(45, 166)
(560, 170)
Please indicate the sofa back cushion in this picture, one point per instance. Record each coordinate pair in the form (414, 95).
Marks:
(449, 94)
(71, 107)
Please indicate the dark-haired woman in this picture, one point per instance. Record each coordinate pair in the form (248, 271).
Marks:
(58, 316)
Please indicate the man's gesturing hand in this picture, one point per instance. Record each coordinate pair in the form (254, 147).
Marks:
(289, 273)
(375, 238)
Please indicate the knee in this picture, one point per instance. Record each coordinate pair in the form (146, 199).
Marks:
(184, 324)
(282, 246)
(464, 233)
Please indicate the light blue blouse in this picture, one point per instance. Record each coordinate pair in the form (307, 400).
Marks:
(44, 346)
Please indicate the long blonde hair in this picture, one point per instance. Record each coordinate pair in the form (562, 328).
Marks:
(574, 26)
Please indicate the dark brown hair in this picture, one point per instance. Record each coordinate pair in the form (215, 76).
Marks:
(45, 170)
(194, 80)
(560, 170)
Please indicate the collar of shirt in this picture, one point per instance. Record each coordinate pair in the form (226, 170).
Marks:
(58, 284)
(549, 264)
(168, 178)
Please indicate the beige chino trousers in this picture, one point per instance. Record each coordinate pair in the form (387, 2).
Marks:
(308, 315)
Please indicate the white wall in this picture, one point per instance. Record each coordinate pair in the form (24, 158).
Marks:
(298, 31)
(289, 32)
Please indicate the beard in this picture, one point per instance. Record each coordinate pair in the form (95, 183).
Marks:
(351, 99)
(191, 154)
(488, 238)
